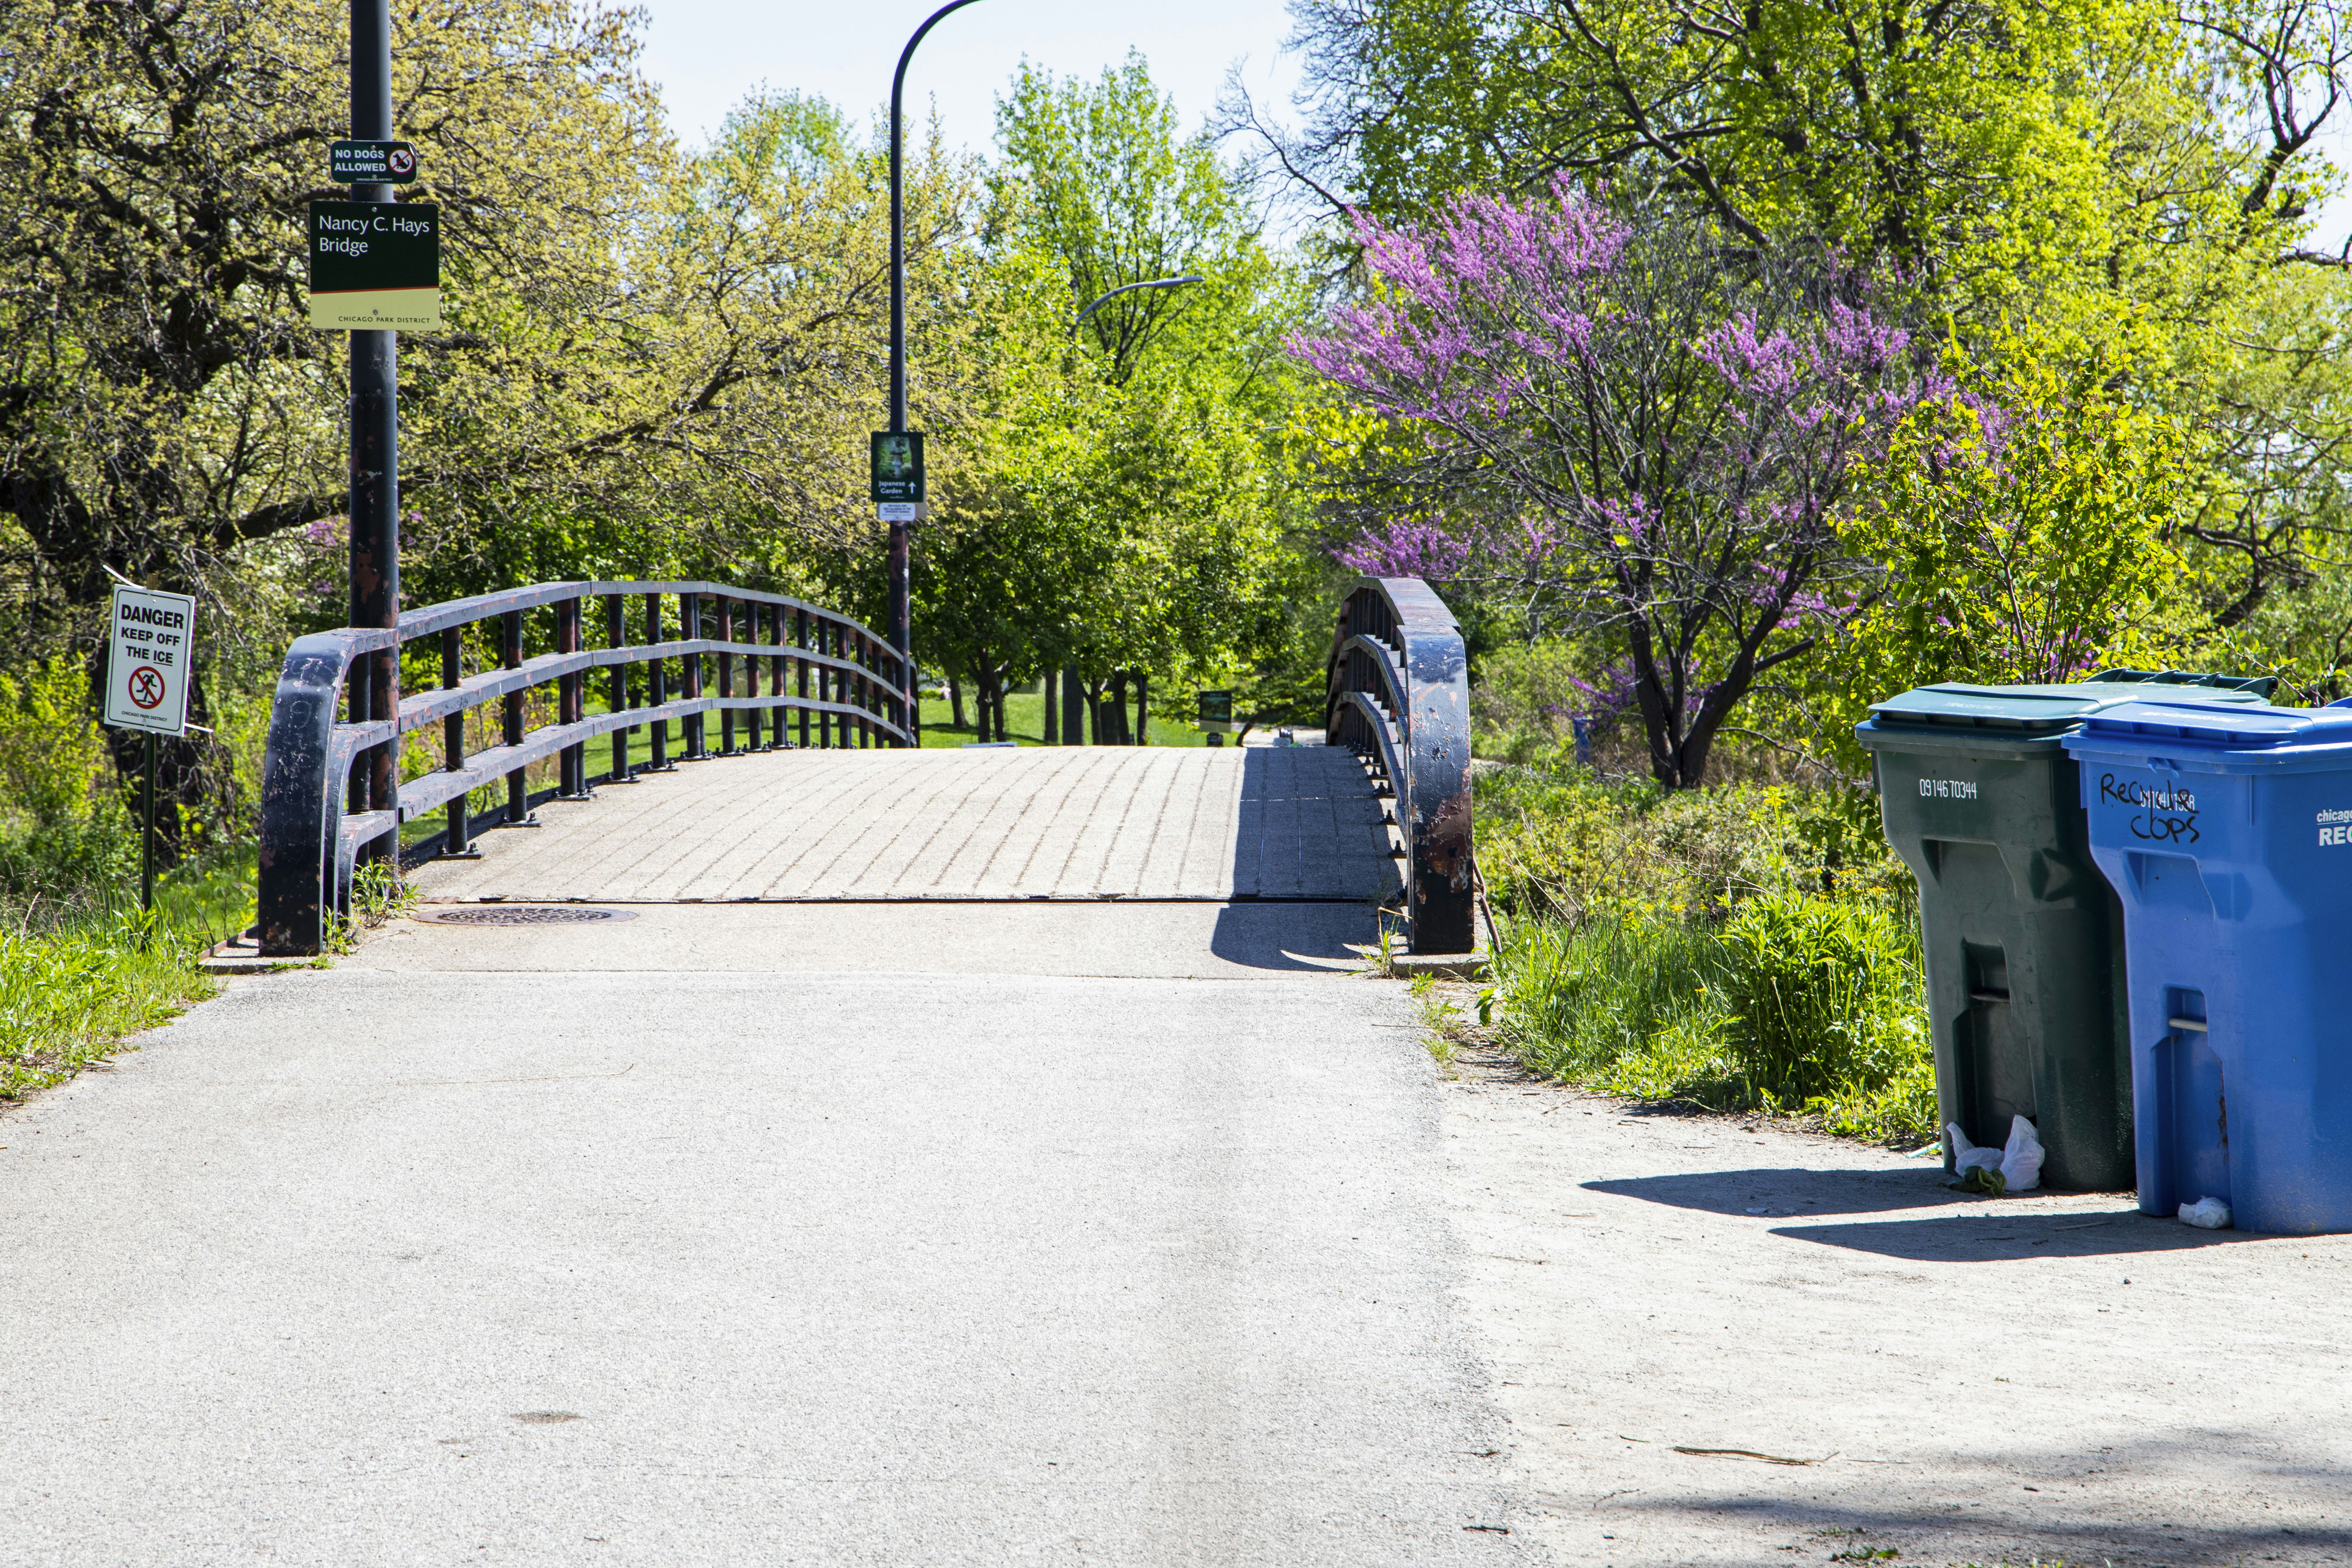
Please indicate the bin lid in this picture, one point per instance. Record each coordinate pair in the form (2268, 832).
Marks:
(2206, 726)
(2019, 712)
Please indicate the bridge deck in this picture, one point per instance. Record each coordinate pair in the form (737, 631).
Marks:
(1044, 822)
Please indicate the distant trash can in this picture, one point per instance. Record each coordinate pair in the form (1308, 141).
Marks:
(2022, 936)
(2228, 832)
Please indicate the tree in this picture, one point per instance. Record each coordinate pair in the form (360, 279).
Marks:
(1632, 425)
(2025, 524)
(1113, 507)
(647, 359)
(1100, 178)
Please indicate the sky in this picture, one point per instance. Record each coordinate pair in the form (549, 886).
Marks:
(707, 53)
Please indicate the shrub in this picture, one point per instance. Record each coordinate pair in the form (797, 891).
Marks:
(1824, 996)
(53, 762)
(1566, 843)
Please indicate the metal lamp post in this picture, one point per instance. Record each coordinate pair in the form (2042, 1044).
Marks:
(898, 624)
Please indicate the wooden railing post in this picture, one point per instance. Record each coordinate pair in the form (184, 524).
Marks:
(754, 721)
(690, 614)
(616, 637)
(800, 640)
(657, 691)
(518, 782)
(456, 840)
(572, 773)
(726, 676)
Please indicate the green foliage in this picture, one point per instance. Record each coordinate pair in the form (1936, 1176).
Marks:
(1099, 178)
(2025, 528)
(53, 765)
(1562, 842)
(1825, 995)
(66, 834)
(1735, 948)
(1987, 152)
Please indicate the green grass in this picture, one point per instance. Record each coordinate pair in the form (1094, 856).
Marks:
(1655, 1009)
(1024, 714)
(76, 982)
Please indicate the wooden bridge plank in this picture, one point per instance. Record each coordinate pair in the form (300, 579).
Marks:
(1072, 822)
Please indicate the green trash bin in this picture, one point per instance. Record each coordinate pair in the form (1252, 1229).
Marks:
(2021, 935)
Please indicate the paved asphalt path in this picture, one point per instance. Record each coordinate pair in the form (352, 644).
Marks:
(898, 1262)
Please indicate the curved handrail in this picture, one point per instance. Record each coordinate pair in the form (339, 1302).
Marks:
(315, 822)
(1397, 694)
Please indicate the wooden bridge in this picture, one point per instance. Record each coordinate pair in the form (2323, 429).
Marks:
(805, 787)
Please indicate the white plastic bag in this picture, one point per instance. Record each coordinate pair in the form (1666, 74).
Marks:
(2207, 1214)
(2020, 1163)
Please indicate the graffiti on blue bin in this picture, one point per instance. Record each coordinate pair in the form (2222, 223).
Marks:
(2164, 814)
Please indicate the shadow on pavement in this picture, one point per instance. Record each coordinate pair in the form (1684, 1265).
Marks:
(1310, 939)
(1859, 1532)
(1793, 1189)
(2006, 1238)
(1983, 1234)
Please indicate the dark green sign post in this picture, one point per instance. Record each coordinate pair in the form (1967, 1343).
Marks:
(374, 683)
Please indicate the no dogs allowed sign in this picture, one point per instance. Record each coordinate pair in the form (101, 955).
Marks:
(147, 653)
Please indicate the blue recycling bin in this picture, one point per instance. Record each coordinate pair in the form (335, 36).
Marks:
(2227, 833)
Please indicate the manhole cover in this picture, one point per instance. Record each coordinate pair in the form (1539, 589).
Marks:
(522, 915)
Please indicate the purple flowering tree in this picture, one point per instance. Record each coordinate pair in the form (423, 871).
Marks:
(1633, 430)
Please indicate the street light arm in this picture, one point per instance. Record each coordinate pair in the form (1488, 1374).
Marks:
(1125, 288)
(899, 217)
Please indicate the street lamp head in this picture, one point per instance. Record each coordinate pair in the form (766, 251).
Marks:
(1129, 287)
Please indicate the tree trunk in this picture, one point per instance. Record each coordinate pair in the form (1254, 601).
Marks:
(955, 703)
(1052, 733)
(1142, 709)
(1095, 714)
(1118, 730)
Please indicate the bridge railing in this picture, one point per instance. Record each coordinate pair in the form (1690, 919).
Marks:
(1399, 696)
(331, 787)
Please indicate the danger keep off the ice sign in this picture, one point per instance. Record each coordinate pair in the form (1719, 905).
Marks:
(147, 661)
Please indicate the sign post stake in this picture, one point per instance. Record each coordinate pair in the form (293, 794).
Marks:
(375, 452)
(147, 832)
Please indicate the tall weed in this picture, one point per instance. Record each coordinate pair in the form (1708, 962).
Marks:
(1737, 947)
(1823, 995)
